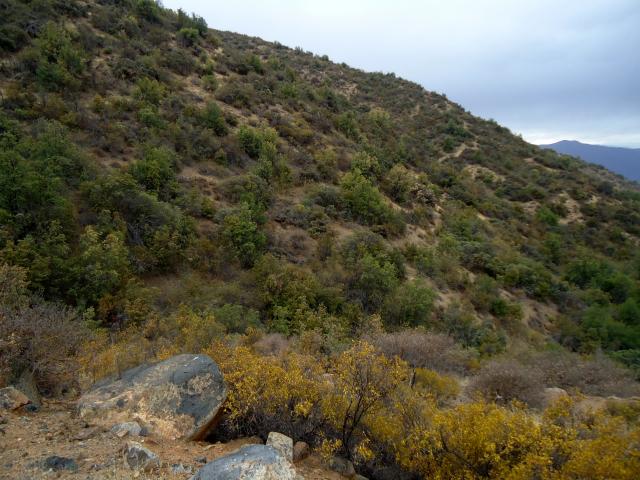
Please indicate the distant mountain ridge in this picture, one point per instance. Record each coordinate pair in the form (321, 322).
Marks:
(625, 161)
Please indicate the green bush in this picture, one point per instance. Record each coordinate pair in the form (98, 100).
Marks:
(363, 200)
(409, 305)
(59, 63)
(242, 235)
(156, 172)
(211, 116)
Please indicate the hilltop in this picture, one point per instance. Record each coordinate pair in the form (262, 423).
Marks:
(166, 187)
(624, 161)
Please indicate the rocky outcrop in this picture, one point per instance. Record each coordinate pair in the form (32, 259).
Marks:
(12, 398)
(176, 398)
(251, 462)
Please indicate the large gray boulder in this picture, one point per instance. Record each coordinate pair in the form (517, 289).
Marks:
(176, 398)
(251, 462)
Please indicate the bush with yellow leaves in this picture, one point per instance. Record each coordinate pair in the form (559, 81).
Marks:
(268, 393)
(371, 409)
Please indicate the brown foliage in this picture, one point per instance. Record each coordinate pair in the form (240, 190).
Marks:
(43, 339)
(504, 380)
(434, 351)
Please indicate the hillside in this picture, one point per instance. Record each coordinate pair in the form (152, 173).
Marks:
(167, 188)
(624, 161)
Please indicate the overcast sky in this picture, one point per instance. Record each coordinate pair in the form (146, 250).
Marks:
(547, 69)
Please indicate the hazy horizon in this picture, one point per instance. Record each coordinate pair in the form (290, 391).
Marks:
(549, 72)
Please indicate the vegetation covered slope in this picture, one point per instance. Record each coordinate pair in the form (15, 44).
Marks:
(163, 185)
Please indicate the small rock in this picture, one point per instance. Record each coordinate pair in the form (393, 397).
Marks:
(31, 408)
(127, 428)
(300, 451)
(57, 463)
(178, 468)
(250, 462)
(342, 466)
(12, 398)
(553, 394)
(201, 459)
(84, 434)
(282, 444)
(138, 457)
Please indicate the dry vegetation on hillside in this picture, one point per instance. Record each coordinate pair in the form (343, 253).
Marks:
(166, 188)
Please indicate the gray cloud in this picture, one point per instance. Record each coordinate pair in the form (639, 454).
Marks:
(547, 69)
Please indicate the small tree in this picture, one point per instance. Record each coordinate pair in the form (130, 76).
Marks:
(364, 380)
(242, 235)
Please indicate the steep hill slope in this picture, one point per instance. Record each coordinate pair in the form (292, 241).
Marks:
(624, 161)
(176, 157)
(330, 237)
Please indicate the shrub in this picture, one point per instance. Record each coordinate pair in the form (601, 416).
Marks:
(596, 375)
(363, 382)
(212, 117)
(156, 172)
(269, 394)
(251, 141)
(43, 339)
(101, 268)
(433, 351)
(188, 36)
(59, 63)
(503, 381)
(363, 200)
(441, 388)
(398, 183)
(242, 235)
(346, 123)
(149, 91)
(409, 305)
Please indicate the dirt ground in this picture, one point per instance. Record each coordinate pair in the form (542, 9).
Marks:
(26, 439)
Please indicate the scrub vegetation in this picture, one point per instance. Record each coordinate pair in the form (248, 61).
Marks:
(376, 270)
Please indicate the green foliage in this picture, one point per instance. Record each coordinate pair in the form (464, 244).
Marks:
(373, 271)
(346, 123)
(363, 200)
(251, 141)
(547, 216)
(242, 235)
(102, 266)
(236, 318)
(409, 305)
(59, 64)
(212, 117)
(148, 10)
(188, 36)
(149, 91)
(155, 172)
(398, 183)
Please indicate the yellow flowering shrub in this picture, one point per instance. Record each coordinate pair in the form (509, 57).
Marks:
(369, 408)
(474, 440)
(267, 392)
(442, 388)
(362, 381)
